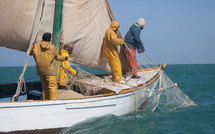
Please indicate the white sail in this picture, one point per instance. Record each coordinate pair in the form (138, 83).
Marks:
(84, 23)
(20, 20)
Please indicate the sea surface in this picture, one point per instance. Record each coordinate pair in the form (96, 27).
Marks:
(195, 80)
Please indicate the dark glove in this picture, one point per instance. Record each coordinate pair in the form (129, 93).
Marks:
(141, 49)
(66, 58)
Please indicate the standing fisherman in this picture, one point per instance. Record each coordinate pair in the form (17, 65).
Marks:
(110, 51)
(44, 54)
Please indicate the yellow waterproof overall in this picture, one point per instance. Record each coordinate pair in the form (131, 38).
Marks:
(110, 51)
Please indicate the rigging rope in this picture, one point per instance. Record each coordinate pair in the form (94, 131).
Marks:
(21, 80)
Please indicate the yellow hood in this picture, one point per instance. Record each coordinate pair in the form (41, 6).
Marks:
(114, 25)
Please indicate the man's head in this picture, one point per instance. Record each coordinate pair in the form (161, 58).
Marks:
(68, 47)
(47, 37)
(114, 26)
(141, 22)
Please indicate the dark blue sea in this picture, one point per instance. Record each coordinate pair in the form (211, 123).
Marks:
(196, 80)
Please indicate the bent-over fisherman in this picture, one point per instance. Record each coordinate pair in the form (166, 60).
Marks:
(65, 66)
(132, 38)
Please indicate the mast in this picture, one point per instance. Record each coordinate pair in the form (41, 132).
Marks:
(57, 23)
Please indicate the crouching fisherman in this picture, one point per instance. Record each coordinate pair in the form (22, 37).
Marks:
(44, 54)
(64, 67)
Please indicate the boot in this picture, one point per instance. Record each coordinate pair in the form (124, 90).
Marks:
(135, 77)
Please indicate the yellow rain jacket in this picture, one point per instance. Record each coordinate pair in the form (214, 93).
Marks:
(110, 51)
(62, 76)
(44, 54)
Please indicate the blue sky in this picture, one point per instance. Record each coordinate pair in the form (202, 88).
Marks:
(176, 31)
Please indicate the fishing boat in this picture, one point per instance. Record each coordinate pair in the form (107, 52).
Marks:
(82, 23)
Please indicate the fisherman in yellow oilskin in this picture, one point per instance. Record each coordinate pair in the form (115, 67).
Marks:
(65, 66)
(44, 54)
(110, 51)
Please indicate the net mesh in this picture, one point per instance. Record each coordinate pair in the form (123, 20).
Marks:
(82, 82)
(169, 96)
(164, 95)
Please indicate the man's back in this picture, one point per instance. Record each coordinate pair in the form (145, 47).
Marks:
(44, 54)
(133, 37)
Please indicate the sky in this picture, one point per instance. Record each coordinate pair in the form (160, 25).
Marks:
(176, 31)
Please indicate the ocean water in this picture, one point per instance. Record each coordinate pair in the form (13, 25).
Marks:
(197, 81)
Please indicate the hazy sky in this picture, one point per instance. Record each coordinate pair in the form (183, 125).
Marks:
(176, 31)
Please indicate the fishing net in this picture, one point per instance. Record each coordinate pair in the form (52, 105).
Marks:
(165, 95)
(89, 84)
(162, 94)
(82, 82)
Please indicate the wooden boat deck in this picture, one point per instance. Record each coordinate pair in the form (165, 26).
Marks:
(129, 82)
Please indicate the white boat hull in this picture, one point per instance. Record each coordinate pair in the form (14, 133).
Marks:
(65, 113)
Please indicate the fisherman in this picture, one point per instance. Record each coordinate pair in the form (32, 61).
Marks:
(65, 66)
(44, 54)
(132, 38)
(110, 51)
